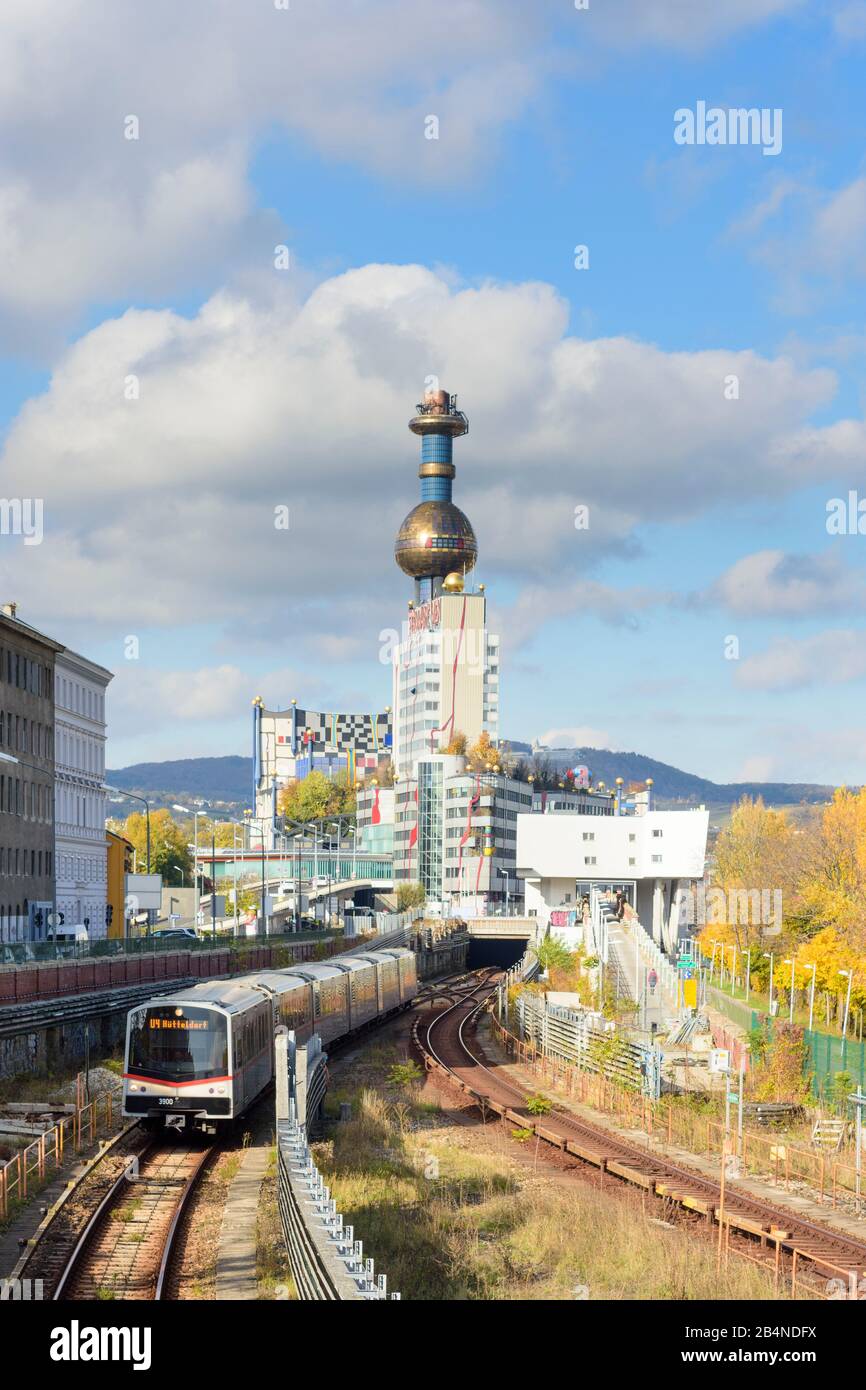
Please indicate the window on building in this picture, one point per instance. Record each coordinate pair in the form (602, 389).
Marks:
(656, 859)
(657, 834)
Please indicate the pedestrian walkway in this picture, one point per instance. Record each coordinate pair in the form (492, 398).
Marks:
(236, 1271)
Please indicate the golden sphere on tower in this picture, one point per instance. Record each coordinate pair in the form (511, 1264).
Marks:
(453, 583)
(435, 540)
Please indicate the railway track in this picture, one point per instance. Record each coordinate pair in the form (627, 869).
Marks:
(125, 1251)
(114, 1233)
(450, 1047)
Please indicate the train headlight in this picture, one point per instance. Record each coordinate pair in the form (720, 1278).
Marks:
(221, 1090)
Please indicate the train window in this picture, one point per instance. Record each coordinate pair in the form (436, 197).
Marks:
(178, 1042)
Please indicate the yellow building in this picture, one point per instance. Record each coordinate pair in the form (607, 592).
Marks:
(120, 853)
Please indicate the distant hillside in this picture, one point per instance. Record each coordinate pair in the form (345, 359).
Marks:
(230, 779)
(672, 784)
(211, 779)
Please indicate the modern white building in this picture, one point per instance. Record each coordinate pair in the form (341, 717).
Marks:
(655, 858)
(79, 793)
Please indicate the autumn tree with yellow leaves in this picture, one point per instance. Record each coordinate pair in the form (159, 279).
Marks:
(820, 866)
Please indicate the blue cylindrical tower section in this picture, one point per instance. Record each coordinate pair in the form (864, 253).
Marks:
(436, 470)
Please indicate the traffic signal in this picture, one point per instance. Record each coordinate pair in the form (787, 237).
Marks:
(109, 913)
(37, 917)
(61, 918)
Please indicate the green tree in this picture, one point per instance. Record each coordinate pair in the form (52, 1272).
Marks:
(553, 954)
(410, 895)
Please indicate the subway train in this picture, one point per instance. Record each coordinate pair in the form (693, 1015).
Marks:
(197, 1059)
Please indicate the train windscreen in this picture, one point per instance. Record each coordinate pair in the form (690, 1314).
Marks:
(177, 1042)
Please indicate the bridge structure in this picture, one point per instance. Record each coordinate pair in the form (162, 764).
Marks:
(313, 874)
(502, 928)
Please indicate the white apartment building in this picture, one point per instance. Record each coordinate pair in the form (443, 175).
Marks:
(655, 858)
(79, 796)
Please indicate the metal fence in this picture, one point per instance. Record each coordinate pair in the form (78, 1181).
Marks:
(28, 952)
(573, 1037)
(829, 1056)
(26, 1171)
(326, 1260)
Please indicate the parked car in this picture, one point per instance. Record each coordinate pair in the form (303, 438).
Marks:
(175, 933)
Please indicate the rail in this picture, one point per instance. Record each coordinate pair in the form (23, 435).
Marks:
(824, 1250)
(326, 1260)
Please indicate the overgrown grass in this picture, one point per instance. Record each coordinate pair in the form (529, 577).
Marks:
(273, 1273)
(446, 1223)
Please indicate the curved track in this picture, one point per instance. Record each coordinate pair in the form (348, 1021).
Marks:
(126, 1248)
(449, 1046)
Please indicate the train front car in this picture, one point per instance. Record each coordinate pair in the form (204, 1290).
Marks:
(195, 1060)
(176, 1073)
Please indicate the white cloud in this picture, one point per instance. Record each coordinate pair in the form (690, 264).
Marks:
(771, 583)
(818, 249)
(835, 657)
(89, 215)
(850, 21)
(208, 693)
(160, 511)
(581, 736)
(683, 24)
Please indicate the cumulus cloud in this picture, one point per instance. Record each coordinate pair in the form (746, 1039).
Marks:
(263, 465)
(580, 736)
(88, 214)
(834, 657)
(771, 583)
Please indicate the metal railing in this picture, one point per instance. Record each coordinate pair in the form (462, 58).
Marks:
(327, 1262)
(27, 1170)
(573, 1037)
(45, 952)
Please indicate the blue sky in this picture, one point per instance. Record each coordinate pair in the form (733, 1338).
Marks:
(153, 258)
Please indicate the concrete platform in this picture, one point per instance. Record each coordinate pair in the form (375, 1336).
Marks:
(236, 1262)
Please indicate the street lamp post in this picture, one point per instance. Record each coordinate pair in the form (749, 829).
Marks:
(814, 970)
(133, 796)
(791, 989)
(507, 895)
(850, 974)
(768, 955)
(195, 878)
